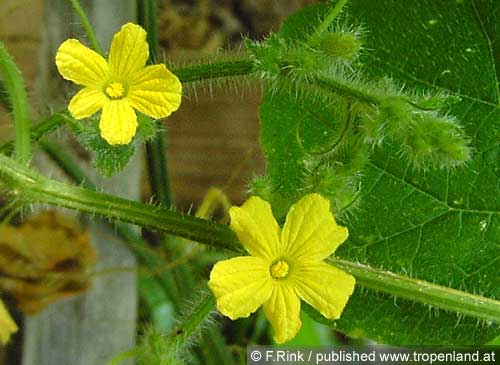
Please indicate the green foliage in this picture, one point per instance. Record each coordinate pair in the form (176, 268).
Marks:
(436, 226)
(317, 99)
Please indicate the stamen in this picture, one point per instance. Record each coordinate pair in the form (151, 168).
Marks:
(115, 90)
(279, 269)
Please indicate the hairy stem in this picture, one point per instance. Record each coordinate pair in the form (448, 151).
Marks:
(156, 150)
(14, 85)
(422, 291)
(86, 25)
(25, 184)
(214, 70)
(41, 129)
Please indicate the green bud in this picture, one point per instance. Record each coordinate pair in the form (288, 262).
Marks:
(340, 45)
(267, 55)
(335, 183)
(435, 101)
(261, 186)
(435, 141)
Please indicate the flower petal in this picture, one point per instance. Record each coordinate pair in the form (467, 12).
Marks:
(255, 226)
(155, 91)
(283, 311)
(240, 285)
(129, 51)
(80, 64)
(310, 230)
(118, 122)
(324, 287)
(86, 102)
(7, 324)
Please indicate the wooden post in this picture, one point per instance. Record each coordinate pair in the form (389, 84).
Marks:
(93, 328)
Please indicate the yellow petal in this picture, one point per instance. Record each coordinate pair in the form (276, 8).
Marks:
(283, 311)
(155, 91)
(7, 324)
(310, 231)
(129, 51)
(118, 122)
(240, 285)
(255, 226)
(81, 65)
(86, 102)
(324, 287)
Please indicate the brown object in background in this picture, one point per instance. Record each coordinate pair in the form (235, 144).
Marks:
(214, 141)
(209, 25)
(45, 259)
(19, 31)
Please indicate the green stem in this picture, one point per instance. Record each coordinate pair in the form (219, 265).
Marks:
(156, 150)
(422, 291)
(66, 163)
(14, 85)
(4, 97)
(338, 86)
(330, 17)
(158, 170)
(34, 188)
(214, 70)
(192, 324)
(25, 184)
(86, 25)
(41, 129)
(147, 17)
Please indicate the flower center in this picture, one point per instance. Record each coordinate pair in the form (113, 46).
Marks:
(279, 269)
(115, 90)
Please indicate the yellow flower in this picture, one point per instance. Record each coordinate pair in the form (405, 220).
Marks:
(120, 85)
(7, 325)
(285, 266)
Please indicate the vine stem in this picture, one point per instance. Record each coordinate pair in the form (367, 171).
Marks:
(25, 184)
(215, 70)
(41, 129)
(422, 291)
(14, 85)
(156, 149)
(86, 25)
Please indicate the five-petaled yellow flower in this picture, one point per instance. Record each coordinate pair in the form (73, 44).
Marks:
(285, 266)
(120, 85)
(7, 325)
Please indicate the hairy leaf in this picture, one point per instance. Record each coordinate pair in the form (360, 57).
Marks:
(439, 226)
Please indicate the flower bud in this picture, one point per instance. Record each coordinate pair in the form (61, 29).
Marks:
(340, 45)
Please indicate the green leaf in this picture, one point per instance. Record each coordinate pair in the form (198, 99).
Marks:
(443, 227)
